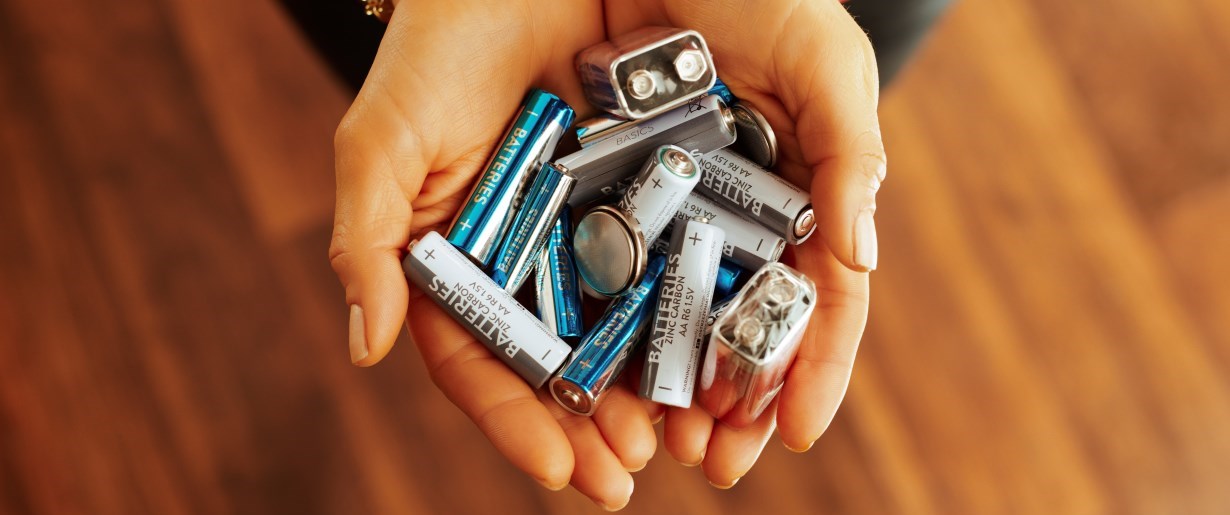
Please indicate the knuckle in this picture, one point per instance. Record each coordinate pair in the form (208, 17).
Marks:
(339, 249)
(345, 134)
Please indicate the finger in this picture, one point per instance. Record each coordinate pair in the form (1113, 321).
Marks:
(830, 85)
(732, 452)
(598, 473)
(371, 227)
(686, 434)
(655, 411)
(816, 382)
(627, 428)
(499, 402)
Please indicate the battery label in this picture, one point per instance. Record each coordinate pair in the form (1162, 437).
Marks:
(748, 244)
(755, 193)
(699, 126)
(486, 311)
(673, 352)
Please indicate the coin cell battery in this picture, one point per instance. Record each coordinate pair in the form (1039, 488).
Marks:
(611, 242)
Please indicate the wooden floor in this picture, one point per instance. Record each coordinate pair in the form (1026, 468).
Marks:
(1050, 328)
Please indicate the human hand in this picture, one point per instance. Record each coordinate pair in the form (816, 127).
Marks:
(444, 86)
(811, 71)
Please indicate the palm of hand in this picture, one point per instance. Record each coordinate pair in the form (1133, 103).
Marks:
(440, 93)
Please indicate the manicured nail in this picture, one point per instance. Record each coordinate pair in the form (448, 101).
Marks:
(358, 334)
(866, 248)
(548, 486)
(726, 487)
(613, 507)
(800, 449)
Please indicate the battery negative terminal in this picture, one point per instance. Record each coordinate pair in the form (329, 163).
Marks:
(690, 65)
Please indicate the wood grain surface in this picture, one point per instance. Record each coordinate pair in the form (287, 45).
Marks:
(1050, 326)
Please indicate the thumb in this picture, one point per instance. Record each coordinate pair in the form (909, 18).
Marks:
(844, 190)
(371, 229)
(837, 88)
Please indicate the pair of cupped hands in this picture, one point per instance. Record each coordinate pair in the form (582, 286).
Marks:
(445, 83)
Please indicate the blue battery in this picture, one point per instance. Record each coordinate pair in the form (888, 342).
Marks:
(727, 279)
(485, 217)
(719, 88)
(556, 284)
(602, 354)
(545, 199)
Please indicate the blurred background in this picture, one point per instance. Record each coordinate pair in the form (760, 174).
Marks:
(1049, 333)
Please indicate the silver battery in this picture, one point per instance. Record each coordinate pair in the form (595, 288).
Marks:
(646, 72)
(656, 193)
(485, 310)
(753, 344)
(546, 198)
(672, 356)
(748, 244)
(609, 250)
(756, 139)
(591, 130)
(600, 126)
(757, 194)
(607, 166)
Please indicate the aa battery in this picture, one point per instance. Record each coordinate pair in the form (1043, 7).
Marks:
(757, 194)
(591, 130)
(602, 354)
(754, 342)
(672, 355)
(600, 126)
(483, 220)
(546, 198)
(612, 241)
(557, 287)
(607, 166)
(485, 310)
(748, 244)
(656, 193)
(646, 72)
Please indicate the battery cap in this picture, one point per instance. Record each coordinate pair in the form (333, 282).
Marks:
(690, 65)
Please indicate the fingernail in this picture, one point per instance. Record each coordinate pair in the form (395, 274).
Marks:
(866, 248)
(726, 487)
(800, 449)
(358, 334)
(549, 486)
(613, 507)
(637, 469)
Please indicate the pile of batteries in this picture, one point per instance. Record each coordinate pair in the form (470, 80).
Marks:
(682, 228)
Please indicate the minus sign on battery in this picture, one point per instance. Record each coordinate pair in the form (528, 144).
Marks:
(788, 201)
(544, 356)
(664, 388)
(758, 245)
